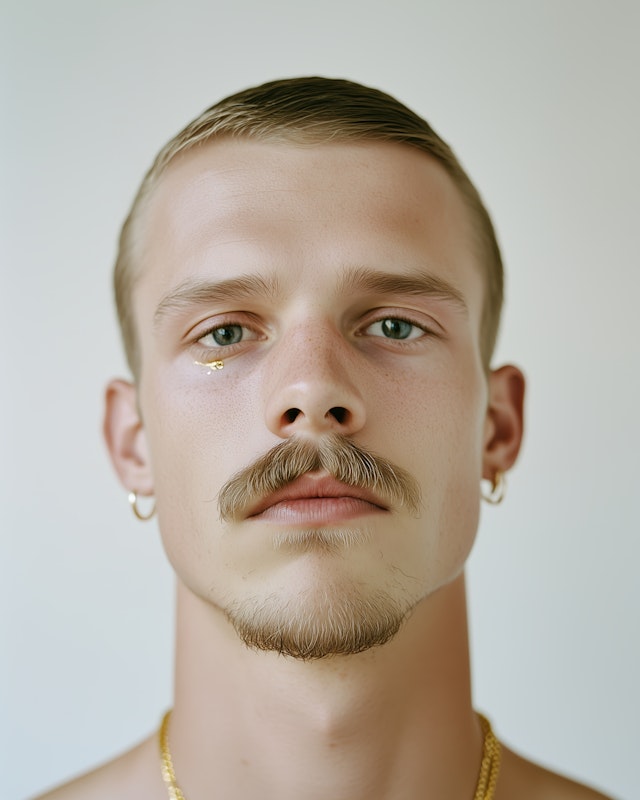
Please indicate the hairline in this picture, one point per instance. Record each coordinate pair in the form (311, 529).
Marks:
(482, 239)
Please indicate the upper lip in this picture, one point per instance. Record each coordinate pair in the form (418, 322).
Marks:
(314, 485)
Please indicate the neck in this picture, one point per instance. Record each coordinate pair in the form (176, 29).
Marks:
(393, 721)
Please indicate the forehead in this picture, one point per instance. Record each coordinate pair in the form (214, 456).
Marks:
(306, 212)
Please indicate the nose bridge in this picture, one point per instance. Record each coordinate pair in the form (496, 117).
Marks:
(312, 386)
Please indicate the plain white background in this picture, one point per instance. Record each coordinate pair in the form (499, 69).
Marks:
(540, 100)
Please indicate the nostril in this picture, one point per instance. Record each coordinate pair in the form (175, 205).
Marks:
(339, 414)
(292, 414)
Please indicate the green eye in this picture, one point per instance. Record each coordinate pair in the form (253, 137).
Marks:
(227, 334)
(394, 328)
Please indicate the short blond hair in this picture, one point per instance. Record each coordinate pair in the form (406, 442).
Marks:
(312, 111)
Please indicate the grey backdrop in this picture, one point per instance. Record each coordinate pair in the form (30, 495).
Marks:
(541, 102)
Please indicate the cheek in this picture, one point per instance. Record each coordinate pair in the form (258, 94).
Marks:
(434, 422)
(437, 435)
(198, 432)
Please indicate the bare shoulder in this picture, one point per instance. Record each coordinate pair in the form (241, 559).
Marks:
(132, 775)
(525, 780)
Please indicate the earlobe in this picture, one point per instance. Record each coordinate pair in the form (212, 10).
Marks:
(504, 422)
(125, 438)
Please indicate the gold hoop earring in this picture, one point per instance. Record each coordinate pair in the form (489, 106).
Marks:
(498, 490)
(133, 502)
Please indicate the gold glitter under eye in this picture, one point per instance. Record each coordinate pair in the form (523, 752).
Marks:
(211, 365)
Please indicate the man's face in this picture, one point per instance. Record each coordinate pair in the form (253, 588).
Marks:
(339, 286)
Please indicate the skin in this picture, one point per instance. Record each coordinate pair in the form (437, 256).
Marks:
(395, 721)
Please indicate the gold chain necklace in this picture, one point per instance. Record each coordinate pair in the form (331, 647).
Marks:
(485, 789)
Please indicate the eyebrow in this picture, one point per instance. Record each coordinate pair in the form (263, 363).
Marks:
(414, 283)
(196, 292)
(353, 280)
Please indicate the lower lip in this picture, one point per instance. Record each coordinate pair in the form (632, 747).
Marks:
(317, 510)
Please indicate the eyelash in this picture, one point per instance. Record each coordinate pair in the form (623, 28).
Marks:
(206, 350)
(228, 350)
(426, 332)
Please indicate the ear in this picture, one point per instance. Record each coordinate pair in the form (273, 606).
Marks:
(125, 437)
(505, 421)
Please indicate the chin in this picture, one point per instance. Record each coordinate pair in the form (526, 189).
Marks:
(333, 615)
(313, 593)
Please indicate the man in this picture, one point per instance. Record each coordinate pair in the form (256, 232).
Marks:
(309, 289)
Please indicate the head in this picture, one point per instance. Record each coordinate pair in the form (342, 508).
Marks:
(307, 112)
(318, 242)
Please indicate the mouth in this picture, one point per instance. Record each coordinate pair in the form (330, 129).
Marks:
(316, 499)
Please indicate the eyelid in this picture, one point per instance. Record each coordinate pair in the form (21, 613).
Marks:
(427, 324)
(242, 319)
(251, 338)
(253, 327)
(416, 332)
(205, 352)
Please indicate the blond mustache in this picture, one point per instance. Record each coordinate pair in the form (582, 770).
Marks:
(347, 462)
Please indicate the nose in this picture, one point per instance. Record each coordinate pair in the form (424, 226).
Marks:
(313, 386)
